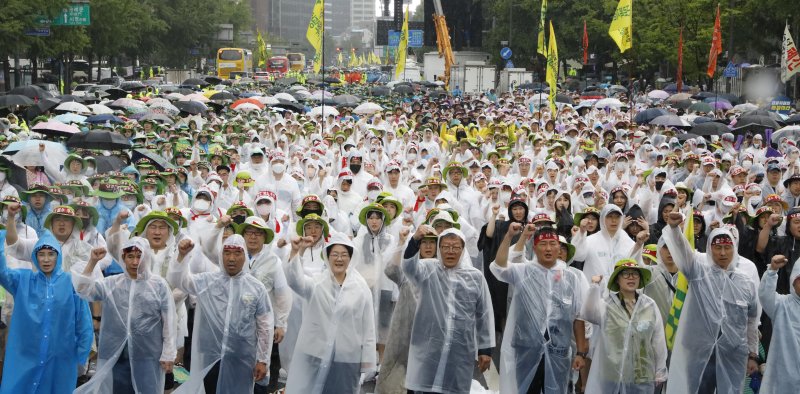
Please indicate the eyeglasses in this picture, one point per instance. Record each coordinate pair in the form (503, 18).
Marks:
(337, 256)
(253, 233)
(628, 274)
(451, 248)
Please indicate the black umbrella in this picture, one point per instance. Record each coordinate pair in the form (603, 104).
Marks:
(403, 89)
(682, 104)
(286, 81)
(702, 119)
(331, 80)
(17, 176)
(709, 128)
(649, 114)
(212, 80)
(30, 91)
(756, 120)
(14, 99)
(289, 106)
(116, 93)
(380, 91)
(98, 139)
(195, 82)
(762, 112)
(223, 96)
(157, 117)
(158, 161)
(794, 119)
(130, 86)
(563, 98)
(686, 136)
(191, 107)
(346, 100)
(106, 164)
(704, 95)
(65, 98)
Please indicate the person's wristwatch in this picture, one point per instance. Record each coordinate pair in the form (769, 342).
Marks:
(582, 354)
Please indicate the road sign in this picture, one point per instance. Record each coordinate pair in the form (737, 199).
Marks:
(730, 71)
(71, 15)
(505, 53)
(415, 38)
(38, 32)
(509, 64)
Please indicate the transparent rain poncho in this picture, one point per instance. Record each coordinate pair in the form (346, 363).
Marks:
(138, 326)
(370, 264)
(336, 341)
(454, 319)
(631, 351)
(783, 371)
(719, 317)
(233, 325)
(51, 327)
(659, 287)
(546, 302)
(601, 250)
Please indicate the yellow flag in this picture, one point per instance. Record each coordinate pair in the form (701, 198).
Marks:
(552, 68)
(314, 33)
(262, 50)
(341, 60)
(400, 59)
(621, 28)
(542, 49)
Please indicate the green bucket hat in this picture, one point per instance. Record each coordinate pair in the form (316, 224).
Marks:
(108, 190)
(239, 205)
(374, 207)
(387, 198)
(155, 215)
(454, 165)
(312, 217)
(624, 264)
(65, 211)
(36, 188)
(586, 211)
(74, 157)
(258, 223)
(12, 199)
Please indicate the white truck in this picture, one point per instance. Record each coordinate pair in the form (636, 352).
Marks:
(510, 78)
(473, 77)
(433, 65)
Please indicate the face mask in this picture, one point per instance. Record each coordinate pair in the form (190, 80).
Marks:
(108, 204)
(257, 166)
(659, 185)
(355, 168)
(278, 168)
(201, 205)
(756, 144)
(372, 195)
(619, 166)
(589, 200)
(214, 187)
(747, 164)
(239, 219)
(412, 156)
(755, 201)
(90, 171)
(263, 209)
(130, 204)
(148, 194)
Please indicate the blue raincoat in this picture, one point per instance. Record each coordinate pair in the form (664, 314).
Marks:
(51, 327)
(35, 218)
(107, 216)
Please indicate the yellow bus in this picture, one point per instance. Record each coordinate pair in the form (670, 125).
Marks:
(236, 61)
(297, 61)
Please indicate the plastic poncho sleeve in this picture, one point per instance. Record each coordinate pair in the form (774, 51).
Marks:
(89, 289)
(281, 298)
(581, 252)
(511, 272)
(9, 278)
(681, 251)
(22, 249)
(51, 170)
(297, 279)
(178, 277)
(594, 307)
(416, 271)
(264, 332)
(767, 292)
(84, 332)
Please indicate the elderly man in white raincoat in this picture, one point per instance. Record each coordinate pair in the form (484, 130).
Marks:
(719, 321)
(783, 368)
(454, 321)
(138, 342)
(336, 343)
(548, 297)
(232, 326)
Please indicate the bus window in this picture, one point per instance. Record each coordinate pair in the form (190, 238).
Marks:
(230, 54)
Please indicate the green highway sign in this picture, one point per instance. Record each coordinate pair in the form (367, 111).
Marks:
(71, 15)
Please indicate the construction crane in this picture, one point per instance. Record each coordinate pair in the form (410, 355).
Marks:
(443, 41)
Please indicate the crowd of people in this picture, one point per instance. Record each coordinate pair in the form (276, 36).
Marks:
(410, 247)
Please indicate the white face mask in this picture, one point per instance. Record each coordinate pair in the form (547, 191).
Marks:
(278, 168)
(257, 166)
(756, 144)
(200, 205)
(107, 203)
(372, 195)
(589, 200)
(130, 204)
(263, 209)
(148, 194)
(619, 166)
(214, 187)
(412, 156)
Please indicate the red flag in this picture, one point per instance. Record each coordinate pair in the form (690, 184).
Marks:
(680, 62)
(716, 47)
(585, 44)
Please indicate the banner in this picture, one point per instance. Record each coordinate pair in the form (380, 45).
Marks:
(542, 49)
(400, 59)
(261, 50)
(790, 60)
(552, 70)
(716, 47)
(681, 287)
(621, 28)
(680, 62)
(314, 32)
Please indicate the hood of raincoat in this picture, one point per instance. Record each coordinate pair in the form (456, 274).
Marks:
(339, 239)
(511, 217)
(464, 260)
(46, 239)
(661, 205)
(608, 208)
(143, 271)
(236, 241)
(734, 238)
(793, 277)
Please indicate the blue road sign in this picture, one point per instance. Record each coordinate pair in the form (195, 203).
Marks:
(415, 38)
(509, 64)
(505, 53)
(38, 32)
(730, 71)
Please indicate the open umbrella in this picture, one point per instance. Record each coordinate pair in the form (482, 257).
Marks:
(380, 91)
(751, 118)
(104, 118)
(403, 89)
(324, 111)
(247, 107)
(267, 100)
(686, 136)
(649, 114)
(106, 164)
(126, 104)
(563, 98)
(100, 109)
(288, 105)
(746, 107)
(683, 104)
(670, 120)
(55, 128)
(30, 91)
(116, 93)
(367, 108)
(709, 128)
(158, 161)
(251, 101)
(700, 107)
(346, 100)
(794, 119)
(762, 112)
(26, 153)
(658, 95)
(211, 79)
(195, 97)
(191, 107)
(98, 139)
(196, 82)
(157, 117)
(678, 97)
(223, 96)
(70, 118)
(790, 132)
(285, 96)
(609, 103)
(11, 100)
(73, 107)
